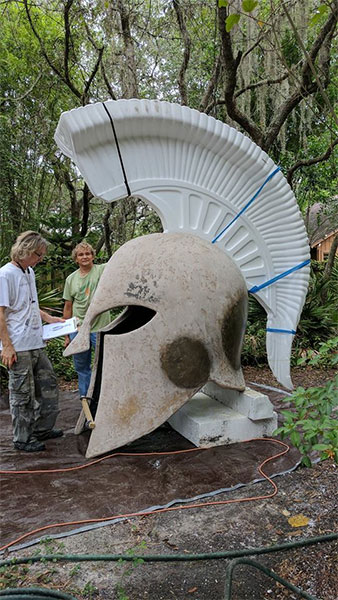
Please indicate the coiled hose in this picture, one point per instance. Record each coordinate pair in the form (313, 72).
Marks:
(240, 555)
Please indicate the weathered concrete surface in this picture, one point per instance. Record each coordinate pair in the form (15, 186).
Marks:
(252, 403)
(207, 422)
(184, 325)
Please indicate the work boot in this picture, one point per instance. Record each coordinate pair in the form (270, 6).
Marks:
(34, 446)
(49, 435)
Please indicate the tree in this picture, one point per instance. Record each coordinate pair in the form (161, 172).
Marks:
(262, 67)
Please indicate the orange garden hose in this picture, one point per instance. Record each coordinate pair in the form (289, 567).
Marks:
(146, 513)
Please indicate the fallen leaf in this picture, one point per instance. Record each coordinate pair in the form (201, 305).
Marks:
(286, 513)
(298, 520)
(192, 590)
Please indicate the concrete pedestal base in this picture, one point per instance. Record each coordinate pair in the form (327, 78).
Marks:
(216, 416)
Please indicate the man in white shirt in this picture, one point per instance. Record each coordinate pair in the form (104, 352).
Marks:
(33, 390)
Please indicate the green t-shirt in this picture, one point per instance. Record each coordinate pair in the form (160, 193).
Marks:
(80, 290)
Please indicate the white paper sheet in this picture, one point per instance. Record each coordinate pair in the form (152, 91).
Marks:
(53, 330)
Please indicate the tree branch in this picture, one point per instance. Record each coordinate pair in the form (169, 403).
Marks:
(91, 77)
(86, 197)
(331, 258)
(306, 85)
(65, 76)
(258, 84)
(231, 65)
(15, 100)
(186, 53)
(310, 161)
(326, 32)
(129, 84)
(105, 79)
(67, 8)
(205, 104)
(69, 84)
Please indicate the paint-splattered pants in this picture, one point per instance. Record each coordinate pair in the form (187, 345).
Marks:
(33, 395)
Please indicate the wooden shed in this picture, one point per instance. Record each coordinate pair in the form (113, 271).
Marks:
(322, 229)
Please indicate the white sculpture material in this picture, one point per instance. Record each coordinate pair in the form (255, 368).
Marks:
(202, 177)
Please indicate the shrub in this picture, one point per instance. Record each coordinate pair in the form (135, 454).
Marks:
(63, 366)
(311, 423)
(319, 318)
(325, 356)
(254, 348)
(318, 322)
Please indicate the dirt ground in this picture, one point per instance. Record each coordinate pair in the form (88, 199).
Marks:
(307, 495)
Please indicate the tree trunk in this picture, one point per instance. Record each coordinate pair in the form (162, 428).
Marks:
(331, 258)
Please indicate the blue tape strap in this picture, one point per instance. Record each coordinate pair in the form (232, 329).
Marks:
(256, 288)
(246, 206)
(272, 330)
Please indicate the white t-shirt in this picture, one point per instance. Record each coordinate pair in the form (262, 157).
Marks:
(18, 294)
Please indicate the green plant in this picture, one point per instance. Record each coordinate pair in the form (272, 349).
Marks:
(326, 356)
(254, 348)
(319, 318)
(318, 321)
(12, 576)
(49, 299)
(75, 570)
(121, 593)
(311, 424)
(89, 590)
(3, 378)
(62, 366)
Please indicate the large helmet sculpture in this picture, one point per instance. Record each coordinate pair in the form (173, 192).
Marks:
(231, 223)
(182, 327)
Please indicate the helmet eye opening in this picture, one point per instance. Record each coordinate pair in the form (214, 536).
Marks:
(132, 318)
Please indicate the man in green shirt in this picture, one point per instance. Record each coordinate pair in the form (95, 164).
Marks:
(79, 289)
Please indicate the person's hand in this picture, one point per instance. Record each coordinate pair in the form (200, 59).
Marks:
(56, 319)
(8, 356)
(49, 318)
(67, 341)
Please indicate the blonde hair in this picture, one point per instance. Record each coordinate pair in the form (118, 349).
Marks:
(26, 244)
(83, 245)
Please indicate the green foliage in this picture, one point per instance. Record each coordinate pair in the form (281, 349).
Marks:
(231, 21)
(291, 51)
(319, 318)
(129, 566)
(319, 182)
(318, 323)
(50, 300)
(249, 5)
(63, 366)
(319, 13)
(254, 348)
(89, 590)
(3, 378)
(233, 18)
(311, 423)
(11, 577)
(326, 356)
